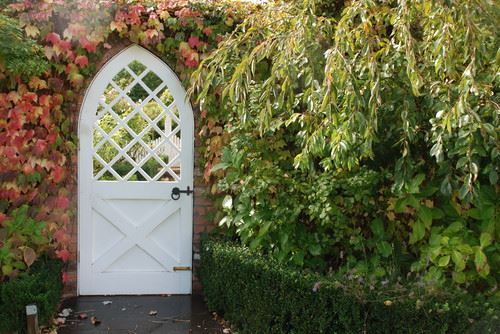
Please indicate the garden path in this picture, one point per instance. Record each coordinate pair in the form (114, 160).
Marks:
(139, 314)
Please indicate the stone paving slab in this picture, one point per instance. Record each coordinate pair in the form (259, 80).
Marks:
(130, 314)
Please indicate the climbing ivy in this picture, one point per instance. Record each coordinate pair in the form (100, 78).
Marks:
(48, 51)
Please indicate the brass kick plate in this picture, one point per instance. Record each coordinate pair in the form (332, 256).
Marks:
(182, 268)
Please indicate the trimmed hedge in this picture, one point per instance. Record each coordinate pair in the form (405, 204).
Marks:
(258, 295)
(42, 286)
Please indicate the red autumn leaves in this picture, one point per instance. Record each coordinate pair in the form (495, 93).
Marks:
(190, 56)
(32, 166)
(62, 49)
(37, 142)
(26, 137)
(144, 26)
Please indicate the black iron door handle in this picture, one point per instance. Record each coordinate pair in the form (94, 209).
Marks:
(176, 193)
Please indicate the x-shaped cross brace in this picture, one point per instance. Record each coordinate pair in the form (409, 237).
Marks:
(134, 235)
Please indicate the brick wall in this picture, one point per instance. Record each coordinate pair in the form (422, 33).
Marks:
(202, 208)
(202, 205)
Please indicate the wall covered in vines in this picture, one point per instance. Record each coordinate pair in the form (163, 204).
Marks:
(49, 52)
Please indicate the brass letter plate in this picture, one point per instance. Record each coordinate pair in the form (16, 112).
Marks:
(182, 268)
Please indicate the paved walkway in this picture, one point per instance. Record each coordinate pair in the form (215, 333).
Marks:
(139, 315)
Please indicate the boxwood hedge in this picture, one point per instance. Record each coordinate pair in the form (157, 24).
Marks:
(41, 285)
(256, 294)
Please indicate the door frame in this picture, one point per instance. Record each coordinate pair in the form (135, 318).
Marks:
(83, 191)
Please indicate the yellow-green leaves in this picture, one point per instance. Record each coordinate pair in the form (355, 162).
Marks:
(405, 88)
(481, 262)
(485, 240)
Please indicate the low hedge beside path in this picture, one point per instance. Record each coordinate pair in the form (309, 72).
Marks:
(41, 285)
(258, 295)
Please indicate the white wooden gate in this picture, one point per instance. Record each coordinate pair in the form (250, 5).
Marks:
(136, 145)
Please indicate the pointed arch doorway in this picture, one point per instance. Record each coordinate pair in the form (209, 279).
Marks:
(136, 151)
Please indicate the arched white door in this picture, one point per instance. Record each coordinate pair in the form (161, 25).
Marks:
(136, 145)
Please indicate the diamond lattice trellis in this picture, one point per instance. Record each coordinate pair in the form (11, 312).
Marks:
(137, 136)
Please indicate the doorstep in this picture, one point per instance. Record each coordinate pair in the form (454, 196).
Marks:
(139, 314)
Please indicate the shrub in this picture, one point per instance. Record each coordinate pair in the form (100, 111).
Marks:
(41, 285)
(359, 130)
(24, 238)
(259, 295)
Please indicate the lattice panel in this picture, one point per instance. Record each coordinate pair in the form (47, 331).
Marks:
(137, 135)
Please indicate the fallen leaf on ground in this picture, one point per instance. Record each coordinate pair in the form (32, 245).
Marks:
(65, 312)
(83, 316)
(95, 321)
(107, 302)
(153, 312)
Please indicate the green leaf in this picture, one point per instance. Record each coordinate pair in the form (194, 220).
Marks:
(284, 239)
(446, 187)
(7, 269)
(406, 201)
(443, 261)
(466, 187)
(435, 238)
(282, 254)
(219, 166)
(265, 228)
(379, 272)
(418, 232)
(437, 213)
(485, 271)
(445, 240)
(493, 176)
(458, 277)
(384, 248)
(255, 243)
(20, 265)
(458, 259)
(461, 162)
(465, 249)
(475, 213)
(415, 183)
(425, 214)
(298, 258)
(454, 228)
(35, 177)
(435, 252)
(315, 249)
(377, 227)
(480, 260)
(485, 240)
